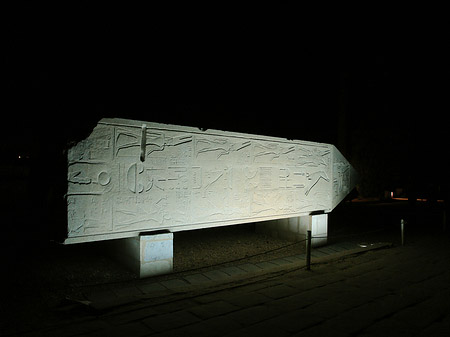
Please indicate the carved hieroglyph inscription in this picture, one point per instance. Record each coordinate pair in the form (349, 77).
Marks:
(130, 176)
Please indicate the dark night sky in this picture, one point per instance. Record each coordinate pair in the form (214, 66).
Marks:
(379, 97)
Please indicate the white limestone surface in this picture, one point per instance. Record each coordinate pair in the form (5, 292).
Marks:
(130, 177)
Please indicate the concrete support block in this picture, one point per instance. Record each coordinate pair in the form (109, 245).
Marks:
(147, 254)
(318, 223)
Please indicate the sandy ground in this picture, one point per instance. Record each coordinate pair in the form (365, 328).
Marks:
(203, 248)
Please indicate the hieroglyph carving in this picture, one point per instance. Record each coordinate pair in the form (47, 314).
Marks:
(130, 176)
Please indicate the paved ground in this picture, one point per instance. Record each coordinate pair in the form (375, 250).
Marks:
(351, 291)
(399, 291)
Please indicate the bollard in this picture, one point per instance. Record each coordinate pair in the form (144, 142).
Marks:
(402, 226)
(444, 221)
(308, 250)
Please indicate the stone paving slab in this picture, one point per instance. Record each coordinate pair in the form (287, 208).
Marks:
(217, 275)
(170, 320)
(233, 271)
(325, 250)
(281, 262)
(197, 279)
(296, 258)
(249, 267)
(252, 299)
(213, 309)
(319, 253)
(154, 287)
(267, 265)
(175, 284)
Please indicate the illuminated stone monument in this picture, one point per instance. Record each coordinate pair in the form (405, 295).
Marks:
(131, 178)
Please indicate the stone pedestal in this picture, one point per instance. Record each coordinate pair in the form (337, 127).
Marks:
(147, 254)
(294, 229)
(319, 228)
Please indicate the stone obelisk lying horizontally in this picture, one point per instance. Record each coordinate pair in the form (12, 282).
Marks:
(143, 181)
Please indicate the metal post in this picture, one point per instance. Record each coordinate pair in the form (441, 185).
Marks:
(308, 250)
(444, 221)
(402, 226)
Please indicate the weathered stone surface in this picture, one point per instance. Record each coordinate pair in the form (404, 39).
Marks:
(130, 177)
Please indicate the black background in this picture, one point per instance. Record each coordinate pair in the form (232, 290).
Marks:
(379, 95)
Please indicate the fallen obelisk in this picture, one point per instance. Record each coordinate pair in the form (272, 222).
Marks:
(141, 181)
